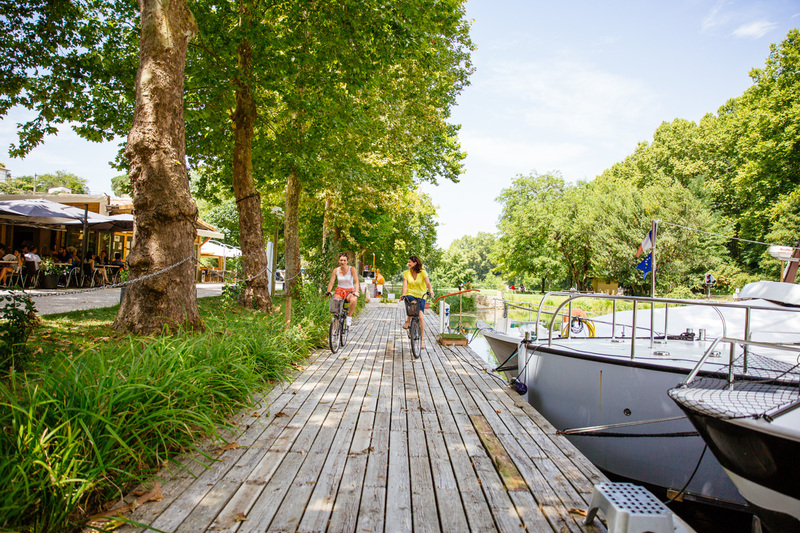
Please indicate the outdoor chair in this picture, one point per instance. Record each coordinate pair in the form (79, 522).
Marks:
(31, 276)
(74, 276)
(112, 272)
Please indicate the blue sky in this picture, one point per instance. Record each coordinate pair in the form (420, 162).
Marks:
(574, 86)
(559, 86)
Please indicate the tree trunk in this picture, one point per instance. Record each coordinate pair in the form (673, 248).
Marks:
(248, 199)
(326, 219)
(164, 213)
(291, 235)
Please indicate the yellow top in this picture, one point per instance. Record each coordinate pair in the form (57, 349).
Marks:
(415, 287)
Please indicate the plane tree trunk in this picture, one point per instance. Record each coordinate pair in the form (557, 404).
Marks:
(164, 213)
(248, 199)
(291, 235)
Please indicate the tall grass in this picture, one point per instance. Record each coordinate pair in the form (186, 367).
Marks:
(84, 429)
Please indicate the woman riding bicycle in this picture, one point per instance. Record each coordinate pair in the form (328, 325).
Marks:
(347, 285)
(414, 281)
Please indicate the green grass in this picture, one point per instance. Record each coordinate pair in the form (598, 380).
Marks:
(98, 412)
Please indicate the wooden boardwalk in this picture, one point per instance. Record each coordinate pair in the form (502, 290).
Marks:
(369, 440)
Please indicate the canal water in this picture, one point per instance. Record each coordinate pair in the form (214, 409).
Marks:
(702, 518)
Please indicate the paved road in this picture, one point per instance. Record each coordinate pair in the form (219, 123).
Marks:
(49, 302)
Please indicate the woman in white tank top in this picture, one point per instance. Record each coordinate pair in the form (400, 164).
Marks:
(347, 285)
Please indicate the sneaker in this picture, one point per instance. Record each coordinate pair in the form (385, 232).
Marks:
(349, 321)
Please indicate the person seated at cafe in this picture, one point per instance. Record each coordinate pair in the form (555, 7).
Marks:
(118, 261)
(34, 256)
(102, 258)
(90, 268)
(12, 263)
(72, 257)
(63, 255)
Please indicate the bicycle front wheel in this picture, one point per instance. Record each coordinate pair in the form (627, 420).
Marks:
(333, 334)
(344, 330)
(414, 336)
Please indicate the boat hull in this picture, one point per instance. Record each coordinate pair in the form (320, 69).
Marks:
(503, 347)
(763, 466)
(576, 389)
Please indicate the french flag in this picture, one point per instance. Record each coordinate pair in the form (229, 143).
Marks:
(647, 244)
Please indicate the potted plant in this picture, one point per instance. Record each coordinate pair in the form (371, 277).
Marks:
(50, 272)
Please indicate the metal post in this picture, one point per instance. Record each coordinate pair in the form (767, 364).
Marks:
(569, 318)
(653, 285)
(85, 243)
(274, 261)
(613, 319)
(653, 272)
(633, 331)
(747, 338)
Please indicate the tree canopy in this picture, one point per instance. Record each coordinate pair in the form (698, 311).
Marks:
(41, 183)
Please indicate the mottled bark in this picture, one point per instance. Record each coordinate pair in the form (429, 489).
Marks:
(164, 213)
(325, 219)
(291, 235)
(248, 199)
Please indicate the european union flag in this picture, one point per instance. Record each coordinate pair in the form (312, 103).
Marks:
(646, 266)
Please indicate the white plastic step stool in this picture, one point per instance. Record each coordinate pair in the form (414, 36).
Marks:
(629, 508)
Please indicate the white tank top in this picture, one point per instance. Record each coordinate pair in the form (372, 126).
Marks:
(346, 281)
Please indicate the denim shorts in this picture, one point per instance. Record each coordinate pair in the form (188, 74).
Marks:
(420, 300)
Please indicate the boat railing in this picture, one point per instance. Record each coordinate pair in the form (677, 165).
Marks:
(539, 309)
(731, 372)
(636, 301)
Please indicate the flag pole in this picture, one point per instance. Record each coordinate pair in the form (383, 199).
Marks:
(653, 284)
(653, 272)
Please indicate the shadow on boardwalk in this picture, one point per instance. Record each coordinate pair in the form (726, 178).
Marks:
(369, 440)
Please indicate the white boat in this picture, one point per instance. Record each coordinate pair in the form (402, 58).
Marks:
(751, 423)
(608, 393)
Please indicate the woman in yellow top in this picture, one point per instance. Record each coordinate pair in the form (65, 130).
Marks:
(414, 281)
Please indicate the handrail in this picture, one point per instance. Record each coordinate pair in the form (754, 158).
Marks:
(455, 293)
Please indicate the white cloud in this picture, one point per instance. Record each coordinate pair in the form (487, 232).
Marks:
(520, 156)
(563, 106)
(714, 18)
(754, 30)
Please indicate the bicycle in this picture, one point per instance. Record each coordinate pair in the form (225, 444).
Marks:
(337, 333)
(414, 331)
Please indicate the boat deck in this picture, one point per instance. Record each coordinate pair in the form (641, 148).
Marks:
(370, 440)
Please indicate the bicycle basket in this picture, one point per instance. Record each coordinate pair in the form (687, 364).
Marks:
(412, 307)
(336, 306)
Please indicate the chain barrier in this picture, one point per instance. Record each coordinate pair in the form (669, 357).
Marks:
(104, 287)
(143, 278)
(226, 278)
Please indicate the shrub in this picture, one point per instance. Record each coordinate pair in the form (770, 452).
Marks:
(17, 320)
(90, 426)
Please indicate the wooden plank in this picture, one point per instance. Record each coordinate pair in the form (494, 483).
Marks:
(448, 500)
(505, 466)
(320, 504)
(373, 496)
(344, 516)
(398, 514)
(423, 495)
(451, 416)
